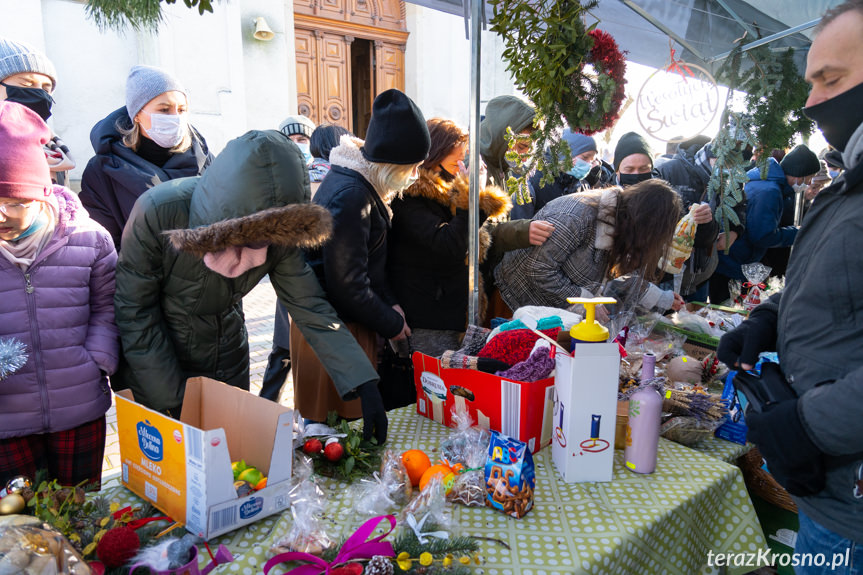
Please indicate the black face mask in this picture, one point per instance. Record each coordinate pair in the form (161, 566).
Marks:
(839, 116)
(36, 99)
(631, 179)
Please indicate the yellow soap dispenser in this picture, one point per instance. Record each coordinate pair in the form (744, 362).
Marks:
(589, 330)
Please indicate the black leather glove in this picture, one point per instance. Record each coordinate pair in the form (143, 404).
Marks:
(374, 415)
(750, 338)
(792, 458)
(592, 177)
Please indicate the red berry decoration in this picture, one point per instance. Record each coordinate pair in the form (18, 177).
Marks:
(334, 451)
(312, 446)
(117, 546)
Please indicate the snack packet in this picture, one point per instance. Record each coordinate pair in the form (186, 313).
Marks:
(308, 501)
(754, 286)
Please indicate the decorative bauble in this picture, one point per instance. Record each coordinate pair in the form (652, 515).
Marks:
(18, 484)
(12, 504)
(117, 546)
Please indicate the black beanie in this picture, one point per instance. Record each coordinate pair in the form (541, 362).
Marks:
(800, 162)
(628, 144)
(397, 132)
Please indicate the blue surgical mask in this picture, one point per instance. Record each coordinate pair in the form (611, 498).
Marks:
(307, 153)
(833, 174)
(579, 169)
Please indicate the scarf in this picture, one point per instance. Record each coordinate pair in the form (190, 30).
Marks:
(23, 250)
(236, 260)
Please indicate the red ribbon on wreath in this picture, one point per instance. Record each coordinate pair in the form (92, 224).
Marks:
(357, 546)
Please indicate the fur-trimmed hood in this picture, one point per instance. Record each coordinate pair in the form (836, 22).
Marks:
(492, 200)
(255, 192)
(606, 218)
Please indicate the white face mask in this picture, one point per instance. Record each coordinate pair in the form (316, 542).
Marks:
(167, 130)
(307, 152)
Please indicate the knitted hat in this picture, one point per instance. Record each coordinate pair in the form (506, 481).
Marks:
(299, 124)
(822, 175)
(397, 132)
(23, 168)
(145, 83)
(695, 142)
(578, 143)
(800, 162)
(17, 57)
(628, 144)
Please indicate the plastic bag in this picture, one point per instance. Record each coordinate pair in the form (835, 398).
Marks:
(465, 451)
(681, 244)
(308, 501)
(29, 547)
(756, 274)
(389, 487)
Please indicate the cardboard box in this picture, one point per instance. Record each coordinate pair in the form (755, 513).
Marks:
(184, 467)
(585, 412)
(522, 410)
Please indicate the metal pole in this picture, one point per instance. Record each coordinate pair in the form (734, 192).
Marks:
(473, 141)
(768, 39)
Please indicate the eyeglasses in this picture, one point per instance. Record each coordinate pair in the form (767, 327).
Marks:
(14, 210)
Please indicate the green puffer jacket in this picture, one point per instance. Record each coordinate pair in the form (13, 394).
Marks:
(179, 319)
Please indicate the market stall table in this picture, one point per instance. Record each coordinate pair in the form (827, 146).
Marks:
(665, 522)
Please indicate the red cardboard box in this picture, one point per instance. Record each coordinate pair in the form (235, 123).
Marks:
(522, 410)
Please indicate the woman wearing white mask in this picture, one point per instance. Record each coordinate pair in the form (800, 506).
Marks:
(144, 143)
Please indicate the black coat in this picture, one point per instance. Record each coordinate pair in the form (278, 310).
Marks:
(351, 266)
(116, 176)
(428, 249)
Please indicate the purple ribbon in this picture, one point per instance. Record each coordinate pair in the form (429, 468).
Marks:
(357, 546)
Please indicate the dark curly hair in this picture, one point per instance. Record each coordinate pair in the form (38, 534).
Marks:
(324, 139)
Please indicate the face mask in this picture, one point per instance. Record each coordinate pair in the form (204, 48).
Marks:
(580, 169)
(833, 174)
(307, 154)
(839, 116)
(631, 179)
(167, 130)
(36, 99)
(410, 181)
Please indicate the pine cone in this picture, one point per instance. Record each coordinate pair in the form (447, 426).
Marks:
(379, 565)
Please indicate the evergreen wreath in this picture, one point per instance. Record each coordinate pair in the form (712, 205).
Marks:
(548, 51)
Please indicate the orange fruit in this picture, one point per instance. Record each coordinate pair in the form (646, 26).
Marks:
(261, 484)
(439, 469)
(416, 462)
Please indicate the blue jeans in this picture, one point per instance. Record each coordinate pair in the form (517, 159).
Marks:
(813, 538)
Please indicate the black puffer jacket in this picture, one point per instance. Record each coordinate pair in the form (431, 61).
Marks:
(351, 266)
(428, 249)
(116, 176)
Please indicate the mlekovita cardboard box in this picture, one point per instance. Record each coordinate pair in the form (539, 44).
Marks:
(522, 410)
(585, 412)
(184, 467)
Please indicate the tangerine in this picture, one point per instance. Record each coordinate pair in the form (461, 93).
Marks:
(441, 469)
(416, 462)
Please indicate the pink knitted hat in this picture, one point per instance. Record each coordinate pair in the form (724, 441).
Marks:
(23, 168)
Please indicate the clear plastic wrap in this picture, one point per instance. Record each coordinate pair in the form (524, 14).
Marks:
(753, 290)
(308, 502)
(385, 490)
(29, 547)
(465, 452)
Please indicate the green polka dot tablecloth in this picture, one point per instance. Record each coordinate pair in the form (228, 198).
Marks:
(662, 523)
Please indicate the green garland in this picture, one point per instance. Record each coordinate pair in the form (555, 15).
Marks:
(136, 14)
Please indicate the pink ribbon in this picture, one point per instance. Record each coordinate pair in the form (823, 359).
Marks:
(357, 546)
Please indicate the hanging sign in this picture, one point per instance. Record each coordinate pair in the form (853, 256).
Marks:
(681, 100)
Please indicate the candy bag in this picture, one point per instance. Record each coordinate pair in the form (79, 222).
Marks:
(681, 244)
(754, 286)
(308, 501)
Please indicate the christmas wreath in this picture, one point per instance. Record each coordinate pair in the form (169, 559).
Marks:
(572, 73)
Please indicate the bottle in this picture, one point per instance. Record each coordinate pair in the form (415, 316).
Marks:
(589, 330)
(648, 367)
(642, 430)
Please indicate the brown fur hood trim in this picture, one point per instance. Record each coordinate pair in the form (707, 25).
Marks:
(492, 200)
(294, 225)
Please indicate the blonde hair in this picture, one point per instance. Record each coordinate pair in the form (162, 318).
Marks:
(132, 137)
(388, 179)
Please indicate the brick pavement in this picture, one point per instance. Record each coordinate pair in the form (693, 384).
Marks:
(259, 307)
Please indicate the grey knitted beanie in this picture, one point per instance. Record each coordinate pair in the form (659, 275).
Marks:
(18, 57)
(297, 125)
(145, 83)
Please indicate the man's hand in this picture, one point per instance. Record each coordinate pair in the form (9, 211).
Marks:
(539, 231)
(740, 347)
(792, 457)
(702, 214)
(723, 241)
(374, 415)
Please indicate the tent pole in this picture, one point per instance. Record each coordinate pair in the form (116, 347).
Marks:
(768, 39)
(473, 141)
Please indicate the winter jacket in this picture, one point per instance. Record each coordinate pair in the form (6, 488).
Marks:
(428, 243)
(600, 176)
(351, 266)
(116, 176)
(179, 319)
(765, 205)
(62, 310)
(573, 261)
(500, 113)
(820, 345)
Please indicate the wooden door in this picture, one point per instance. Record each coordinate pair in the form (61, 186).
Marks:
(335, 76)
(390, 66)
(307, 74)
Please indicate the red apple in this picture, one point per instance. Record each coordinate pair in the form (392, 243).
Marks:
(312, 446)
(334, 451)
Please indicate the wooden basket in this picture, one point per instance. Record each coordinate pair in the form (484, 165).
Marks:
(761, 483)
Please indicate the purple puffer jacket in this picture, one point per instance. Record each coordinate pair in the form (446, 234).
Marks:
(62, 309)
